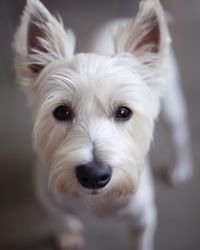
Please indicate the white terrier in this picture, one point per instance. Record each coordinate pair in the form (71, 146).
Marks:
(94, 116)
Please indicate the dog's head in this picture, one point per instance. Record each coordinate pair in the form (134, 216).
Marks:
(93, 115)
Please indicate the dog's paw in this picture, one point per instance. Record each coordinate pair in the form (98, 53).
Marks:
(70, 241)
(74, 225)
(179, 175)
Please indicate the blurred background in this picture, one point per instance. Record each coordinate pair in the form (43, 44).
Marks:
(24, 224)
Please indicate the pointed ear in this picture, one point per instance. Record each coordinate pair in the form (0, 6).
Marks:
(146, 36)
(39, 40)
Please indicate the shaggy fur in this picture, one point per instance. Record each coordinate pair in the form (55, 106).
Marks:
(133, 74)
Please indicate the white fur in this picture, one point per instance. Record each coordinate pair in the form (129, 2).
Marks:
(58, 43)
(121, 71)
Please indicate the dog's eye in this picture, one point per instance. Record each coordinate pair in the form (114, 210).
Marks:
(63, 113)
(123, 114)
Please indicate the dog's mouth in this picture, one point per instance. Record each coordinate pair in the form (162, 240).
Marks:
(94, 192)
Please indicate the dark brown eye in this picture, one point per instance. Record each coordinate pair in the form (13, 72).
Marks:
(123, 114)
(63, 113)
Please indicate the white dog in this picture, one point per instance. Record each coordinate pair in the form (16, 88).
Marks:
(94, 114)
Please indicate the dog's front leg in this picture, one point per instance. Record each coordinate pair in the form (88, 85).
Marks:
(143, 232)
(142, 214)
(69, 228)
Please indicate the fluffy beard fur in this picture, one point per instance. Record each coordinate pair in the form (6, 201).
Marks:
(93, 86)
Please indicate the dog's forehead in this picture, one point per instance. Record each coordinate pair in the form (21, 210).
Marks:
(102, 66)
(108, 81)
(95, 72)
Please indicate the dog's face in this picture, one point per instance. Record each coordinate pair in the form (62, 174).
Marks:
(92, 109)
(93, 115)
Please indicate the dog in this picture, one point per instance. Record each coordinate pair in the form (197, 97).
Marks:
(94, 116)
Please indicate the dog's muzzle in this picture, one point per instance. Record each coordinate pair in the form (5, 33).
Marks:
(93, 175)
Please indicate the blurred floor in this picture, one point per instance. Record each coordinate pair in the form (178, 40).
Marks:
(24, 224)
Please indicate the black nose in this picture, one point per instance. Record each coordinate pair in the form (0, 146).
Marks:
(93, 175)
